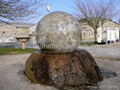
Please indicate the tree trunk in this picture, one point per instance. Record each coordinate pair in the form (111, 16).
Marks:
(95, 35)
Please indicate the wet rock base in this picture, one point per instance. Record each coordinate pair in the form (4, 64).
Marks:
(66, 71)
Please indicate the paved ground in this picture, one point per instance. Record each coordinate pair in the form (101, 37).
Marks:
(109, 52)
(111, 73)
(12, 77)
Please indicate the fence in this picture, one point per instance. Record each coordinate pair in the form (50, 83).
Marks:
(17, 45)
(35, 46)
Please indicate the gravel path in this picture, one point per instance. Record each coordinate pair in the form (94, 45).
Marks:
(12, 77)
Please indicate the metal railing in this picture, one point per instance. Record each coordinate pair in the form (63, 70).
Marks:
(17, 45)
(35, 46)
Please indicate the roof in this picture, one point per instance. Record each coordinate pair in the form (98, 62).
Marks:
(107, 23)
(83, 20)
(20, 25)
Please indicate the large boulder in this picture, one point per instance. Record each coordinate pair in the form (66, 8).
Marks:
(63, 70)
(58, 32)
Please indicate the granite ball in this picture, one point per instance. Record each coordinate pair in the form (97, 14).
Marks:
(58, 32)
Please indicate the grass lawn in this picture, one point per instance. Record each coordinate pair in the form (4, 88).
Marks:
(6, 51)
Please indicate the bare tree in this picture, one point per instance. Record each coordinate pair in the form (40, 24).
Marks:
(95, 14)
(119, 21)
(16, 9)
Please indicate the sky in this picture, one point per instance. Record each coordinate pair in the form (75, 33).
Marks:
(67, 6)
(57, 5)
(62, 5)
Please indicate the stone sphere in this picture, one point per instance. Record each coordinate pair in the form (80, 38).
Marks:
(58, 32)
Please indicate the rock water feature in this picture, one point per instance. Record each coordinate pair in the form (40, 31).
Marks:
(59, 63)
(58, 32)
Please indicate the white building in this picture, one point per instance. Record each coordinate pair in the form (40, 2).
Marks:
(108, 32)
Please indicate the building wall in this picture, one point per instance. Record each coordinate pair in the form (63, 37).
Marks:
(8, 33)
(33, 34)
(88, 32)
(110, 30)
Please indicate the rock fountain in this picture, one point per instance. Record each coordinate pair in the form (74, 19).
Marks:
(59, 62)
